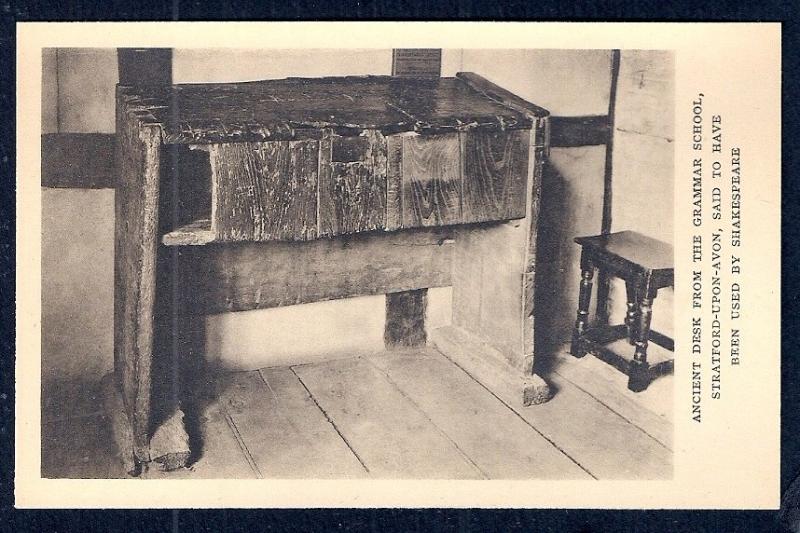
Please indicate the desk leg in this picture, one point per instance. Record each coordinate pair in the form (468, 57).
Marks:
(584, 299)
(405, 318)
(632, 315)
(639, 374)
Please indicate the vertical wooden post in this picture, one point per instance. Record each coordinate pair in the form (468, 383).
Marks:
(150, 428)
(639, 373)
(405, 318)
(605, 229)
(405, 311)
(584, 298)
(144, 66)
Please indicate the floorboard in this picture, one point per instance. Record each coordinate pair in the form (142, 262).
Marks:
(393, 438)
(282, 429)
(650, 410)
(399, 414)
(497, 440)
(218, 455)
(596, 437)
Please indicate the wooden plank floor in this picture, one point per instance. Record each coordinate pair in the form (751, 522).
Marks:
(402, 414)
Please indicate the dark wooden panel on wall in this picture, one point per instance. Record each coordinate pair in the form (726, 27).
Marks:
(495, 168)
(265, 191)
(246, 276)
(80, 160)
(417, 62)
(139, 66)
(567, 132)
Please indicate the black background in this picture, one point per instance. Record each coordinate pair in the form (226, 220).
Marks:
(391, 519)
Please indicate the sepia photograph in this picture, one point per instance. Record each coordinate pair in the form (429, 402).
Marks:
(362, 263)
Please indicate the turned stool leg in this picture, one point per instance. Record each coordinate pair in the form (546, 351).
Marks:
(584, 299)
(639, 374)
(631, 315)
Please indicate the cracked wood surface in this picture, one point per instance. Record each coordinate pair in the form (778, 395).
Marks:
(298, 108)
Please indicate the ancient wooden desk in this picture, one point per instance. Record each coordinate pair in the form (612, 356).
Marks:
(253, 195)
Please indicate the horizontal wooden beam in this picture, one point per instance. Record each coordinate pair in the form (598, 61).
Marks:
(590, 130)
(86, 160)
(247, 276)
(80, 160)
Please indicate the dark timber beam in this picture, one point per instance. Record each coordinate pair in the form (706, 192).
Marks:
(405, 311)
(79, 160)
(605, 227)
(144, 66)
(570, 132)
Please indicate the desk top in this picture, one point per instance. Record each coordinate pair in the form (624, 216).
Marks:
(297, 108)
(645, 252)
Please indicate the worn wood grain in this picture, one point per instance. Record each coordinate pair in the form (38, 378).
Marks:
(265, 191)
(394, 182)
(299, 108)
(282, 428)
(357, 397)
(352, 195)
(137, 200)
(405, 318)
(431, 180)
(495, 171)
(467, 278)
(492, 292)
(121, 430)
(501, 95)
(244, 276)
(79, 160)
(470, 416)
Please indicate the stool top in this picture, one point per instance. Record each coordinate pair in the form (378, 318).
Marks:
(645, 252)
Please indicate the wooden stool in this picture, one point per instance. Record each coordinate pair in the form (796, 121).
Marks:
(646, 266)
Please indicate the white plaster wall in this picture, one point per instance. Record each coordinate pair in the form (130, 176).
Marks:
(87, 79)
(567, 83)
(643, 169)
(226, 65)
(49, 90)
(77, 283)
